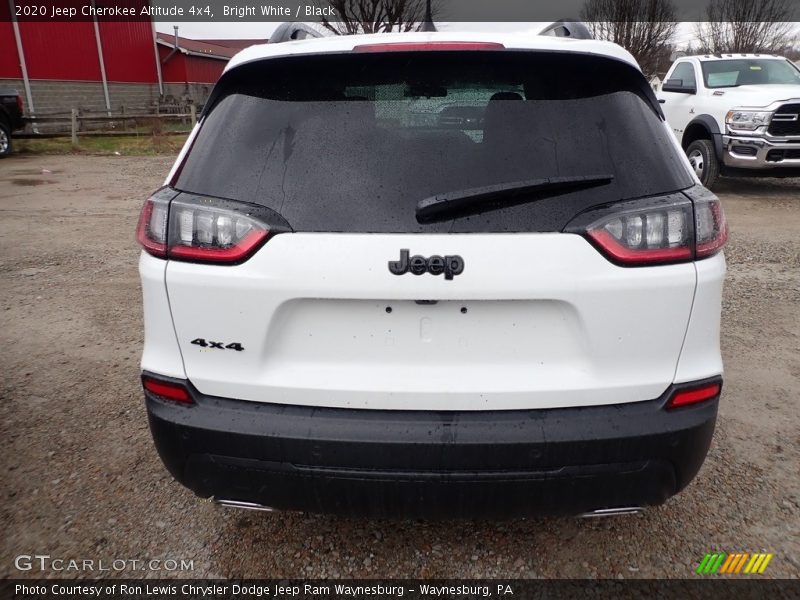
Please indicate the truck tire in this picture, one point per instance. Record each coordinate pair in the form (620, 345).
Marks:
(5, 140)
(704, 161)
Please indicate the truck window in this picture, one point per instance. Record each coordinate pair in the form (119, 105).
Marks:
(685, 72)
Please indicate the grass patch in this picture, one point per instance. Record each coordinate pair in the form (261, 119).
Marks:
(135, 145)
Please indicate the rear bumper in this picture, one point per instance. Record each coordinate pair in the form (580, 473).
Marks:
(433, 464)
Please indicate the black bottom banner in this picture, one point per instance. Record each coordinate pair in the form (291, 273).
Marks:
(322, 589)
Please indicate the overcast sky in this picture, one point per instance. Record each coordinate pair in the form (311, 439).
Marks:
(263, 30)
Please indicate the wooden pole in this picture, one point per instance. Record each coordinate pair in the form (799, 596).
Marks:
(74, 124)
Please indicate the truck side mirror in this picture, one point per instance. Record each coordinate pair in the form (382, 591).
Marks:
(677, 86)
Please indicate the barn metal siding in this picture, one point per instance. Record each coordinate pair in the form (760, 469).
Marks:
(9, 60)
(187, 68)
(204, 70)
(67, 51)
(57, 50)
(174, 70)
(128, 51)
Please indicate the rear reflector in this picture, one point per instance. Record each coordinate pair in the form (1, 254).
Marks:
(417, 46)
(168, 390)
(689, 396)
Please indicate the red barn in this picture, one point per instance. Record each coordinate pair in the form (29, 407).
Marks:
(102, 65)
(195, 61)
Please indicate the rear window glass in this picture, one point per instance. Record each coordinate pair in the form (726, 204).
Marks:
(352, 142)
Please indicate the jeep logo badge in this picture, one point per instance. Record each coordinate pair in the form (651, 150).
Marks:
(435, 265)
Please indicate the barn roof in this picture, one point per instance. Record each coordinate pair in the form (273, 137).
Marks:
(219, 49)
(238, 44)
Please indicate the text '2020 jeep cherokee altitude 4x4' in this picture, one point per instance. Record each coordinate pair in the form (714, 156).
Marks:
(436, 275)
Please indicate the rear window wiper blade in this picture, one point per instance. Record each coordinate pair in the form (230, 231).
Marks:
(494, 197)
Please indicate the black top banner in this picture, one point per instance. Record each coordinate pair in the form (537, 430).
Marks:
(232, 11)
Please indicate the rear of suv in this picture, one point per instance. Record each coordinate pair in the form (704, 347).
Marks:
(420, 275)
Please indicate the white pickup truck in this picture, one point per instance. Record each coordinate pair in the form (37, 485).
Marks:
(735, 114)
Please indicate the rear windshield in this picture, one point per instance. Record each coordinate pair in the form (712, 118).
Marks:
(353, 142)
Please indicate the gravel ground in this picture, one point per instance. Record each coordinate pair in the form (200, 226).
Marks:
(81, 479)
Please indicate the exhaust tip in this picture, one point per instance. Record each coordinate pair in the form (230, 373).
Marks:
(612, 512)
(242, 505)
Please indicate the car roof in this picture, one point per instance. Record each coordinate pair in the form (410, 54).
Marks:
(512, 41)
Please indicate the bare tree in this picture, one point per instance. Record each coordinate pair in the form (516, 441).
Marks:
(645, 28)
(376, 16)
(746, 26)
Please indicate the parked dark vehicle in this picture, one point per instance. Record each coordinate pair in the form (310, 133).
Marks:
(10, 118)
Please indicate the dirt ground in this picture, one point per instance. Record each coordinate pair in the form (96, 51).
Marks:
(81, 479)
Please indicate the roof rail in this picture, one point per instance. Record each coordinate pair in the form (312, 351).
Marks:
(290, 31)
(571, 29)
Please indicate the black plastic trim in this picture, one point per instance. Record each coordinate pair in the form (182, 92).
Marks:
(433, 463)
(710, 125)
(777, 172)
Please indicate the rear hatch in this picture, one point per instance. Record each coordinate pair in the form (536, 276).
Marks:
(361, 299)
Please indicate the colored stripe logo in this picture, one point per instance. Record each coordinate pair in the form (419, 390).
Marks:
(720, 563)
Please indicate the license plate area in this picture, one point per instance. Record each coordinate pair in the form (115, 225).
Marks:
(406, 332)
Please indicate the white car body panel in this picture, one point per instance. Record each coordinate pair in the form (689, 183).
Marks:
(700, 355)
(161, 353)
(550, 322)
(559, 326)
(512, 41)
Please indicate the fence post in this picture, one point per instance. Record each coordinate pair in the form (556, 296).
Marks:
(193, 110)
(74, 125)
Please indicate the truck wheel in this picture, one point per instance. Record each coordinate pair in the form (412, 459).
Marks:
(704, 161)
(5, 140)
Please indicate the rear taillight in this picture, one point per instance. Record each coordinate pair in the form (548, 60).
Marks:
(645, 236)
(177, 392)
(694, 394)
(710, 226)
(208, 230)
(657, 230)
(206, 233)
(152, 229)
(20, 105)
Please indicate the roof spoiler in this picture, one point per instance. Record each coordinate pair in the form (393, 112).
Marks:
(571, 29)
(290, 31)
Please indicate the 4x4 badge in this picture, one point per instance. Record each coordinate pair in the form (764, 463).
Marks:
(450, 265)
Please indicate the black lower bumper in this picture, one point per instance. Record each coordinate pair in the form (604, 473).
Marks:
(433, 464)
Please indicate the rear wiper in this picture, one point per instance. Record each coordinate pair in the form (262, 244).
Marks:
(493, 197)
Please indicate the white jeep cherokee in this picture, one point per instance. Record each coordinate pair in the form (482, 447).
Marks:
(433, 274)
(735, 114)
